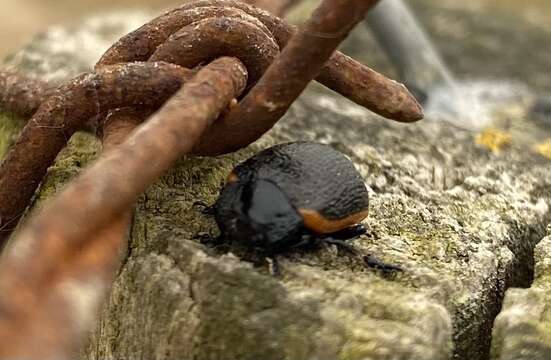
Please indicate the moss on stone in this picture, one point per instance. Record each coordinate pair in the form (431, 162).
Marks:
(80, 152)
(9, 129)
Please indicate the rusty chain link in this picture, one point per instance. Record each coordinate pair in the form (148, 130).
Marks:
(187, 66)
(223, 27)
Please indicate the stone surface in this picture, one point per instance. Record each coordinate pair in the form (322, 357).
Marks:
(461, 220)
(523, 328)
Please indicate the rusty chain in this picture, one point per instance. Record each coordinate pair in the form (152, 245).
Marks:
(198, 57)
(172, 37)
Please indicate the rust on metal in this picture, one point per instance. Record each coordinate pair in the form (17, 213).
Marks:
(390, 99)
(232, 33)
(300, 62)
(140, 44)
(337, 73)
(93, 266)
(244, 37)
(89, 270)
(71, 106)
(69, 109)
(277, 7)
(76, 228)
(20, 94)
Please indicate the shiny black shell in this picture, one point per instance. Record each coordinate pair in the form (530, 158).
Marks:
(314, 176)
(264, 203)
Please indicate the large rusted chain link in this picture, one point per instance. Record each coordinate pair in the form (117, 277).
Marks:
(69, 109)
(303, 58)
(67, 247)
(232, 33)
(341, 73)
(22, 95)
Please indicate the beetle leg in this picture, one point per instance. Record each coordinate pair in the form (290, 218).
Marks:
(343, 245)
(207, 239)
(305, 240)
(350, 233)
(275, 268)
(378, 264)
(207, 209)
(369, 260)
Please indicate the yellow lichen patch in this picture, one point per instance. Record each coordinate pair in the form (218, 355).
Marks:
(493, 139)
(544, 148)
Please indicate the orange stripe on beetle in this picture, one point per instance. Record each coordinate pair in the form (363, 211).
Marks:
(317, 223)
(232, 178)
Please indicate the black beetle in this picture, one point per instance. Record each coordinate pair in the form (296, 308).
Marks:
(293, 195)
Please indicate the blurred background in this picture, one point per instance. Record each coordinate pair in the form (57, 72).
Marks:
(20, 19)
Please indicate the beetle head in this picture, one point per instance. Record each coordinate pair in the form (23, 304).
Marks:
(258, 214)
